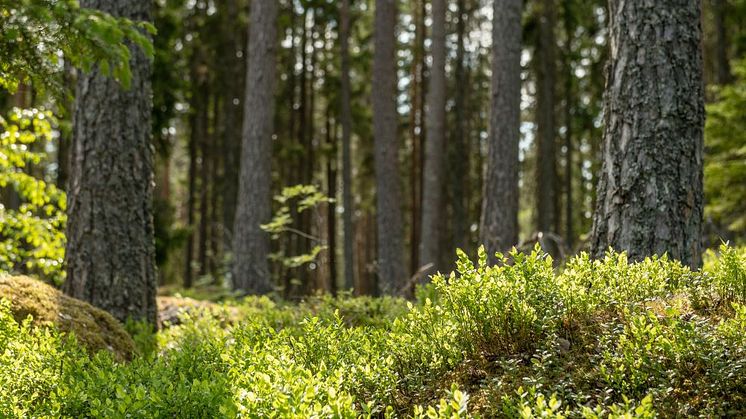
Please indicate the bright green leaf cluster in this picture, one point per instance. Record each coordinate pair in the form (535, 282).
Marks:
(32, 238)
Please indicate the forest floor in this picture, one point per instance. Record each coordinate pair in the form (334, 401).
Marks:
(594, 339)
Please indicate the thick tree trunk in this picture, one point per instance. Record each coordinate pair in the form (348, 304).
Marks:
(432, 188)
(391, 269)
(650, 191)
(110, 249)
(499, 223)
(250, 242)
(546, 210)
(346, 119)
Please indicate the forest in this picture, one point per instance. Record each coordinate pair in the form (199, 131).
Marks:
(372, 208)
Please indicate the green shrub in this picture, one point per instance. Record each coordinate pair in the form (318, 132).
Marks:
(602, 339)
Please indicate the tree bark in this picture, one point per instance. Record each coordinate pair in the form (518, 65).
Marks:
(546, 210)
(232, 83)
(432, 188)
(250, 242)
(650, 191)
(391, 268)
(499, 223)
(724, 75)
(110, 249)
(458, 148)
(568, 115)
(417, 132)
(346, 120)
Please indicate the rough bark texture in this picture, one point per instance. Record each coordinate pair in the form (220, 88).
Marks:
(346, 119)
(499, 223)
(650, 190)
(110, 248)
(432, 186)
(250, 242)
(391, 268)
(546, 209)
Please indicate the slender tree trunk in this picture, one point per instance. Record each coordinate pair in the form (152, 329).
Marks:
(458, 147)
(197, 134)
(65, 139)
(232, 84)
(110, 250)
(331, 209)
(650, 192)
(568, 108)
(346, 116)
(499, 223)
(432, 190)
(720, 9)
(417, 132)
(205, 184)
(546, 214)
(250, 242)
(391, 268)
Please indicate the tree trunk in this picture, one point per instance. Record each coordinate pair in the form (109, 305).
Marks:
(110, 250)
(546, 211)
(417, 132)
(459, 156)
(499, 223)
(205, 184)
(346, 119)
(650, 191)
(568, 110)
(331, 208)
(724, 75)
(233, 82)
(432, 190)
(250, 242)
(391, 268)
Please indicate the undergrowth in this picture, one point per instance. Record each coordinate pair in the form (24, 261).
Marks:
(602, 338)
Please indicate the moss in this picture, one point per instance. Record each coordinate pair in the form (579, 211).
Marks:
(95, 329)
(170, 309)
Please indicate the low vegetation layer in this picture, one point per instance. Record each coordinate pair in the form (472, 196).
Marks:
(600, 339)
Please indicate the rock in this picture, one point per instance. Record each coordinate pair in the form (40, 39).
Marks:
(171, 308)
(95, 329)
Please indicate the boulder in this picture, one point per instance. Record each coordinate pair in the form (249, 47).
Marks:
(94, 328)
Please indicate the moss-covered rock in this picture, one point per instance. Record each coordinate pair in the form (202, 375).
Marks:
(95, 329)
(171, 308)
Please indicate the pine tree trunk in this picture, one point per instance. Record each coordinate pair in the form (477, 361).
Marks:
(650, 191)
(499, 223)
(391, 268)
(233, 72)
(250, 242)
(417, 131)
(110, 249)
(720, 9)
(546, 178)
(346, 119)
(458, 149)
(432, 188)
(568, 115)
